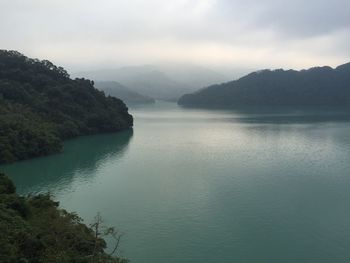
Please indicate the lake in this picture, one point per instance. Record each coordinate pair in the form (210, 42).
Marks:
(191, 185)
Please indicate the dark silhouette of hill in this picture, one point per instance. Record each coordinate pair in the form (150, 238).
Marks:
(115, 89)
(319, 86)
(40, 105)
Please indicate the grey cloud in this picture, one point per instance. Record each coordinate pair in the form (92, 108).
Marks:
(142, 30)
(297, 18)
(308, 18)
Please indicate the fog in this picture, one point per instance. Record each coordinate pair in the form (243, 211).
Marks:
(224, 35)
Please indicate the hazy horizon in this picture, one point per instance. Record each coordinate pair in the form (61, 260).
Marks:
(230, 37)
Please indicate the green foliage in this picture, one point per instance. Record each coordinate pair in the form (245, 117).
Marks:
(321, 86)
(6, 185)
(35, 230)
(40, 106)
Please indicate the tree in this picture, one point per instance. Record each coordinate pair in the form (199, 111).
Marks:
(101, 232)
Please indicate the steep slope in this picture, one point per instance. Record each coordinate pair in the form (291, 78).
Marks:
(115, 89)
(35, 229)
(319, 86)
(40, 106)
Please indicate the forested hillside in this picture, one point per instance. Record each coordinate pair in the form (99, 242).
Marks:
(320, 86)
(34, 230)
(40, 106)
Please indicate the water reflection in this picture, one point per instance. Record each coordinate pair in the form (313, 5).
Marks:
(285, 115)
(320, 125)
(172, 113)
(81, 158)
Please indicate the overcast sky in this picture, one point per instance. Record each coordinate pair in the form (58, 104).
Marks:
(82, 34)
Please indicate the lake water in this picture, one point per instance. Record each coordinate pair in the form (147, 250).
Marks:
(190, 186)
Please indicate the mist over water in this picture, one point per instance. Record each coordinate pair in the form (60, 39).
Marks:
(190, 185)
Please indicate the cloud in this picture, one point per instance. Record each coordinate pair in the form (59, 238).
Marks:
(96, 33)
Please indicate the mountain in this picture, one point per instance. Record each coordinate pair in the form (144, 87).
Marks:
(195, 77)
(156, 84)
(319, 86)
(115, 89)
(40, 105)
(165, 82)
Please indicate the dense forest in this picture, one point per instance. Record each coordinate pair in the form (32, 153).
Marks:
(115, 89)
(34, 230)
(319, 86)
(40, 105)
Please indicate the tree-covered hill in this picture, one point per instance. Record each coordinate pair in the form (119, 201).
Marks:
(319, 86)
(34, 230)
(40, 106)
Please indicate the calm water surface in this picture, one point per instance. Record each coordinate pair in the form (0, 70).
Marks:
(192, 186)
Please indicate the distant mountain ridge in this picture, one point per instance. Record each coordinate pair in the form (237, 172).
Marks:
(115, 89)
(318, 86)
(165, 82)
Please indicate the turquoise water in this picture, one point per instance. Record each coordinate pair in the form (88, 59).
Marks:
(191, 186)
